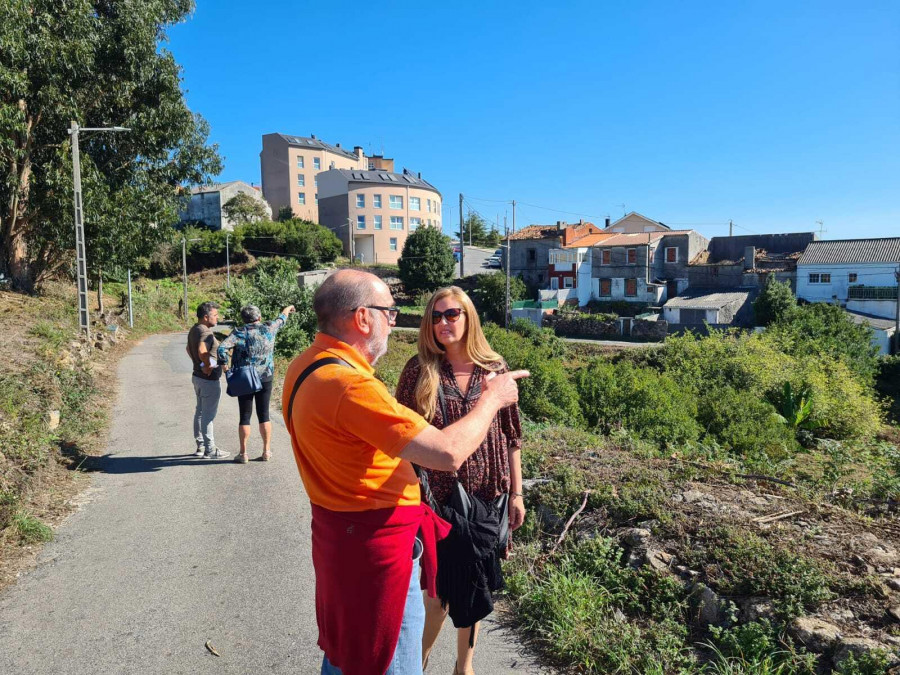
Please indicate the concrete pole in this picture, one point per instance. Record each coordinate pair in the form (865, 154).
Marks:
(227, 263)
(84, 319)
(184, 275)
(130, 306)
(508, 317)
(897, 316)
(462, 240)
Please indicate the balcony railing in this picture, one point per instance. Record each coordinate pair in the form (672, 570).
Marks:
(872, 293)
(559, 256)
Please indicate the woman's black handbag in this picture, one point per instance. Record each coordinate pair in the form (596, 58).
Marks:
(242, 381)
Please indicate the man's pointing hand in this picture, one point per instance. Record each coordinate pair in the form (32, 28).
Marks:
(502, 389)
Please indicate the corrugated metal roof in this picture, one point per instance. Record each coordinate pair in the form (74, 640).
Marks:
(877, 322)
(708, 299)
(830, 251)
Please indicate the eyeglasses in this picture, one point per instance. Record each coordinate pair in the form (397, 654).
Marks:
(452, 315)
(392, 312)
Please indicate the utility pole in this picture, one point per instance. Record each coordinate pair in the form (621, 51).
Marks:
(350, 246)
(897, 316)
(462, 241)
(130, 307)
(227, 262)
(508, 316)
(730, 228)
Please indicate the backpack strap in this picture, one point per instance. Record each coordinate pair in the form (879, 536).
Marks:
(312, 367)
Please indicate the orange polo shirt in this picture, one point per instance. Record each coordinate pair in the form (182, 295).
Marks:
(348, 432)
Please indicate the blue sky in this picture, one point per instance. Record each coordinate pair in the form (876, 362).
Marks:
(773, 114)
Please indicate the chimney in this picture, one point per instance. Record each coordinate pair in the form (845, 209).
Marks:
(581, 221)
(420, 175)
(313, 136)
(749, 257)
(607, 221)
(559, 225)
(337, 145)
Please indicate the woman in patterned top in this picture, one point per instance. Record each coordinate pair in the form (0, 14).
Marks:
(254, 345)
(455, 355)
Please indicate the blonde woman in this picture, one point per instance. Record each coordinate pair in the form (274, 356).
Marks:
(453, 359)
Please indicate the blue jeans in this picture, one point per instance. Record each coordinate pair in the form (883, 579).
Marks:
(407, 658)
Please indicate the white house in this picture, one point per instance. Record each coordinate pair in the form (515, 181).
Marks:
(859, 274)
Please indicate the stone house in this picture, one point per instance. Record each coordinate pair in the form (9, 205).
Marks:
(748, 261)
(530, 249)
(698, 306)
(207, 202)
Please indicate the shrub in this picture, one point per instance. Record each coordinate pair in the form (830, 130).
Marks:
(310, 244)
(646, 402)
(426, 262)
(776, 303)
(744, 424)
(490, 295)
(272, 286)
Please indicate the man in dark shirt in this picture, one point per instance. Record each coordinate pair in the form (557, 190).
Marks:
(201, 347)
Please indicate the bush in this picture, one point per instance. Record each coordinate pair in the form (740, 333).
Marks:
(646, 402)
(272, 286)
(426, 263)
(776, 303)
(310, 244)
(746, 425)
(490, 296)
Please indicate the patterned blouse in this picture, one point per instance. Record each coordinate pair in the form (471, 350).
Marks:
(253, 345)
(486, 472)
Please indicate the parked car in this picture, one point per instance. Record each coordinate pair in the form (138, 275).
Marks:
(493, 261)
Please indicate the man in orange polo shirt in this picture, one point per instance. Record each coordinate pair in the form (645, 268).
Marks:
(353, 443)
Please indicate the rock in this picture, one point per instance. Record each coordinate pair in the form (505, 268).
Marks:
(551, 521)
(660, 560)
(756, 608)
(894, 613)
(636, 558)
(636, 537)
(687, 572)
(53, 420)
(882, 555)
(677, 498)
(893, 583)
(815, 634)
(100, 344)
(857, 646)
(531, 483)
(843, 614)
(692, 496)
(711, 609)
(619, 617)
(648, 524)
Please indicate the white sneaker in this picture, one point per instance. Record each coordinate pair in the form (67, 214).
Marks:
(200, 452)
(217, 454)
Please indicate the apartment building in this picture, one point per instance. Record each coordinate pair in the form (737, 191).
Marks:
(290, 168)
(373, 212)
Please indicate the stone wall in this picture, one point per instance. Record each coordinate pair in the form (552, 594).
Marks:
(586, 327)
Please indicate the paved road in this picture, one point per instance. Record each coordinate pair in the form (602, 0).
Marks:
(171, 551)
(475, 261)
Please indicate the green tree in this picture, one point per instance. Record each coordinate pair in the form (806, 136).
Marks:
(102, 64)
(242, 209)
(775, 303)
(285, 213)
(475, 230)
(490, 295)
(426, 262)
(312, 245)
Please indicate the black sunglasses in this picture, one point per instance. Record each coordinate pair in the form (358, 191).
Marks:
(392, 312)
(452, 315)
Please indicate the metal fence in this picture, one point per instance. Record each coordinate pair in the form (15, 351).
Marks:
(872, 293)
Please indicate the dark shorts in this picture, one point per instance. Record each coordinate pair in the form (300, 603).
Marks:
(262, 398)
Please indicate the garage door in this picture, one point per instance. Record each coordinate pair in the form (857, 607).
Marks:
(693, 316)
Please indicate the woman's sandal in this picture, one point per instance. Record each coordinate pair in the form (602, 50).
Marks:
(265, 457)
(241, 458)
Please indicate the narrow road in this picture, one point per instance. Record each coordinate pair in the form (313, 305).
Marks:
(171, 551)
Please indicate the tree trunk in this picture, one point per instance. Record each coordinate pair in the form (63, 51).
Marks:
(14, 246)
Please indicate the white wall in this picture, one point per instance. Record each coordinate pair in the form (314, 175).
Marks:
(883, 308)
(869, 274)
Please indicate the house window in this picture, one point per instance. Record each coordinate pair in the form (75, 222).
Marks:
(396, 201)
(301, 198)
(360, 201)
(852, 277)
(360, 222)
(415, 204)
(371, 166)
(428, 205)
(815, 278)
(606, 287)
(393, 243)
(301, 181)
(414, 224)
(605, 256)
(672, 254)
(567, 282)
(631, 288)
(826, 278)
(396, 222)
(317, 163)
(376, 201)
(377, 222)
(532, 255)
(300, 163)
(632, 256)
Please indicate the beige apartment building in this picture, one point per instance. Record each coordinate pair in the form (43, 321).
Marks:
(373, 212)
(290, 168)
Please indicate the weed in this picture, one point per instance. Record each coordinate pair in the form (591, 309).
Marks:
(30, 529)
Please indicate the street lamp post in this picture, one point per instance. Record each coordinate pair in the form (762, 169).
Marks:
(84, 319)
(227, 262)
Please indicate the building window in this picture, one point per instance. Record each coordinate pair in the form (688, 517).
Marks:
(393, 243)
(301, 180)
(672, 254)
(360, 222)
(428, 205)
(331, 166)
(852, 277)
(371, 166)
(605, 287)
(605, 256)
(377, 222)
(301, 198)
(632, 256)
(317, 198)
(631, 288)
(317, 163)
(567, 282)
(415, 204)
(826, 278)
(396, 201)
(396, 222)
(360, 201)
(815, 278)
(414, 224)
(532, 255)
(300, 163)
(316, 181)
(376, 201)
